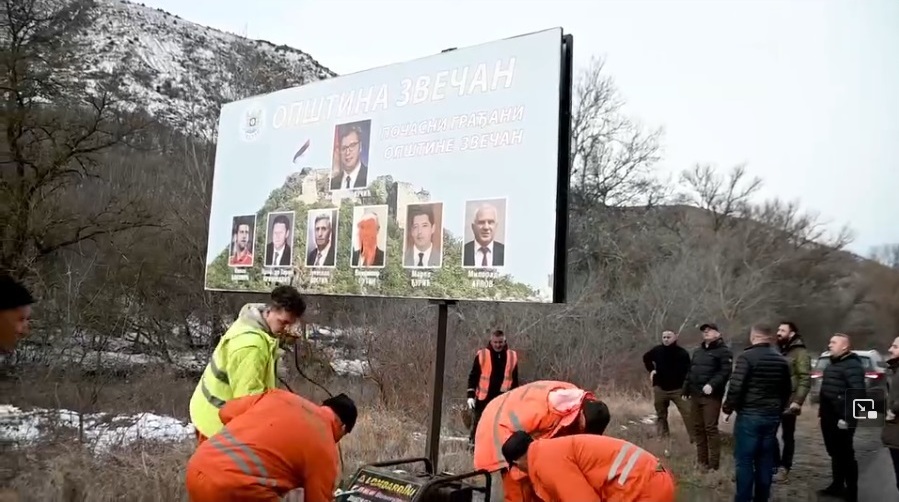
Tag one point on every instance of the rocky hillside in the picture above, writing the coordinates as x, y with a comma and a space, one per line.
182, 72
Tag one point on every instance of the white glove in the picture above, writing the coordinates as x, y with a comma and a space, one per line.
707, 389
471, 403
340, 494
842, 424
890, 416
652, 375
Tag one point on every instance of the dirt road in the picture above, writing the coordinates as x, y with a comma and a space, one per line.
811, 467
876, 479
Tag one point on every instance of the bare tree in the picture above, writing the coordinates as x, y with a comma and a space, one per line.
887, 254
53, 152
613, 158
725, 197
613, 166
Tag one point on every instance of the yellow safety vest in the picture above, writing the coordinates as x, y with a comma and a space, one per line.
215, 386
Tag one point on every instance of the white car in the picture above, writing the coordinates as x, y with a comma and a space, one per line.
872, 360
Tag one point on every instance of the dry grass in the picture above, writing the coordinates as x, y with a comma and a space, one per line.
154, 472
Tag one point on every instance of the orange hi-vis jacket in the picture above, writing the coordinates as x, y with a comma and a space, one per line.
526, 408
593, 468
484, 360
272, 443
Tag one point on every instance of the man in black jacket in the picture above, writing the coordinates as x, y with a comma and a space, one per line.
759, 391
668, 364
844, 372
494, 371
704, 387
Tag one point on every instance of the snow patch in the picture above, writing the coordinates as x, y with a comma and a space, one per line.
101, 430
350, 367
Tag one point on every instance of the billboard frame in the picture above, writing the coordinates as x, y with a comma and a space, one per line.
556, 279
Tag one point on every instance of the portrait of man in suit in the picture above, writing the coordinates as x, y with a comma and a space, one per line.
350, 171
243, 241
424, 246
366, 251
278, 250
321, 249
484, 251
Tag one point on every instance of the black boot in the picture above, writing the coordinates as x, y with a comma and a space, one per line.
832, 490
851, 493
837, 487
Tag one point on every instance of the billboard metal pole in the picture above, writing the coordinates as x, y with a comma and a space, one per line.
433, 449
560, 272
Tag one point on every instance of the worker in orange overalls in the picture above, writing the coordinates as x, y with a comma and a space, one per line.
589, 468
272, 443
543, 409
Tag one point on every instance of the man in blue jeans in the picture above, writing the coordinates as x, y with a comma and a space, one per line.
759, 392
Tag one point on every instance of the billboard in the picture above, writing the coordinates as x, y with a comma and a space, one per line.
435, 178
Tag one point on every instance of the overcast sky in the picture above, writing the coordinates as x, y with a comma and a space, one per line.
805, 92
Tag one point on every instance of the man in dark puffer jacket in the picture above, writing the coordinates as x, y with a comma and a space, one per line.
759, 392
844, 372
704, 387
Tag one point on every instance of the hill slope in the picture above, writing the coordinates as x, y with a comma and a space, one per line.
181, 72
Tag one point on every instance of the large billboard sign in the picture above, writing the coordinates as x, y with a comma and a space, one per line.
435, 178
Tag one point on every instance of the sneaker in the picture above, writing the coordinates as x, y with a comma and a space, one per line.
782, 475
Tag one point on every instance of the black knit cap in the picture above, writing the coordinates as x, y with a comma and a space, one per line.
344, 408
596, 416
516, 446
13, 294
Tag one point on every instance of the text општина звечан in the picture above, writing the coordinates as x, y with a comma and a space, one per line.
479, 78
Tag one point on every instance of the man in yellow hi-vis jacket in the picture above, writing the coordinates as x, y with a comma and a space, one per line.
243, 362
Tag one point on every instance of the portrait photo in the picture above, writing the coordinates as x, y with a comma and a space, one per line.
243, 241
485, 233
369, 237
423, 235
349, 166
321, 238
279, 239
